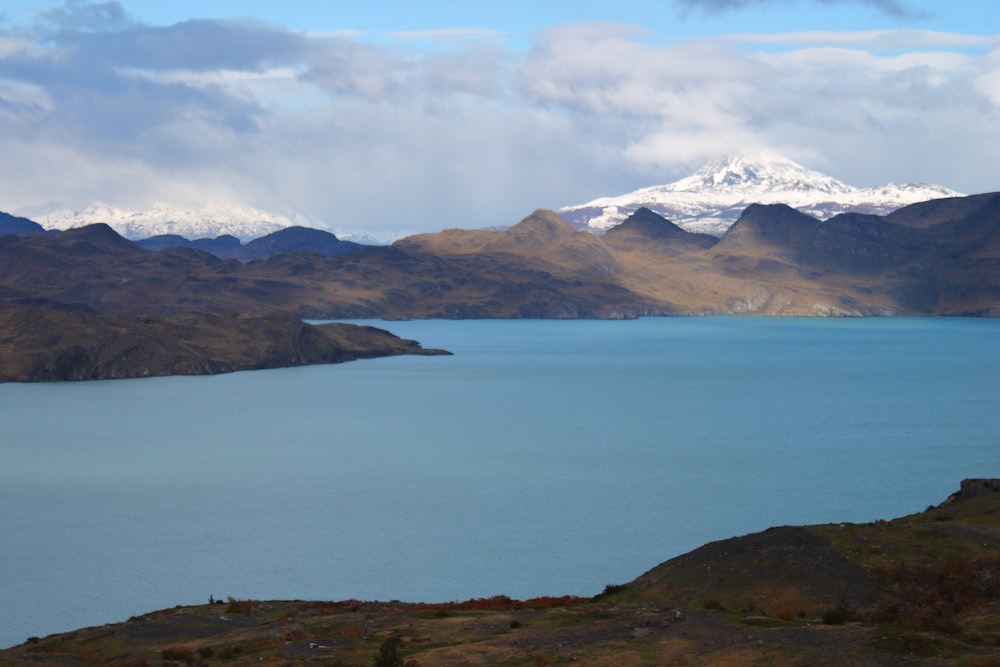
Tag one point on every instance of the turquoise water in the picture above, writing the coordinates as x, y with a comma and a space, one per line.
544, 458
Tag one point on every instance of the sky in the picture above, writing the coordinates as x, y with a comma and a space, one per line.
387, 117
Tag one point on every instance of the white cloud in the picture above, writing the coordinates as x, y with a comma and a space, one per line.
447, 35
872, 40
363, 135
899, 9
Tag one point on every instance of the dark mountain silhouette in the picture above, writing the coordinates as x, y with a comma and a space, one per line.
10, 224
645, 227
297, 239
290, 239
221, 246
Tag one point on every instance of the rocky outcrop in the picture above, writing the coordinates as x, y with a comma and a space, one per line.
972, 488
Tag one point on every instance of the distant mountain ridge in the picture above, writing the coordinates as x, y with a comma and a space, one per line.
208, 220
713, 198
288, 239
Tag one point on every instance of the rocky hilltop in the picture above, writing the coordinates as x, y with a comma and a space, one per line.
919, 590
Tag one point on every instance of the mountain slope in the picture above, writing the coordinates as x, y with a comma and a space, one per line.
712, 198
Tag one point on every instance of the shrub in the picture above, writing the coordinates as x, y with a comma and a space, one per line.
247, 607
784, 614
229, 651
610, 589
179, 653
714, 604
388, 654
932, 595
836, 616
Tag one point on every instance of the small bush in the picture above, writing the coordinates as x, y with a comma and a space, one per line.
179, 653
610, 589
245, 607
784, 614
229, 651
836, 616
388, 654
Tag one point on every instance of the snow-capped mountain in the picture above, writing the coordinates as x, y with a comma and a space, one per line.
711, 199
207, 221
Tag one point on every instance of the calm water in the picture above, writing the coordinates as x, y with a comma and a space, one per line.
544, 458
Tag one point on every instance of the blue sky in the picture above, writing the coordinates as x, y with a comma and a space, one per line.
410, 116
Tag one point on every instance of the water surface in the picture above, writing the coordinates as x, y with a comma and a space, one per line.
544, 458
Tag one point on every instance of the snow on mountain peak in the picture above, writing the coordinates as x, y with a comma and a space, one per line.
767, 172
207, 220
712, 198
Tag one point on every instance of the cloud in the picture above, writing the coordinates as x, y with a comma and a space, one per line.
898, 9
869, 40
404, 136
447, 35
692, 100
79, 15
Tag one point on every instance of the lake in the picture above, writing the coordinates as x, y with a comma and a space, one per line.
544, 458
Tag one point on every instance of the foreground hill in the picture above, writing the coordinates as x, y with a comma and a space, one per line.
940, 257
923, 589
38, 344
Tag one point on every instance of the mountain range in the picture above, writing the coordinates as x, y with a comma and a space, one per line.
939, 257
708, 201
713, 198
207, 220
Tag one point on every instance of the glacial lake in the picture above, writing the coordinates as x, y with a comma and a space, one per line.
544, 458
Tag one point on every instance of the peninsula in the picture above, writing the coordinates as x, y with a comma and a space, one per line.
39, 344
